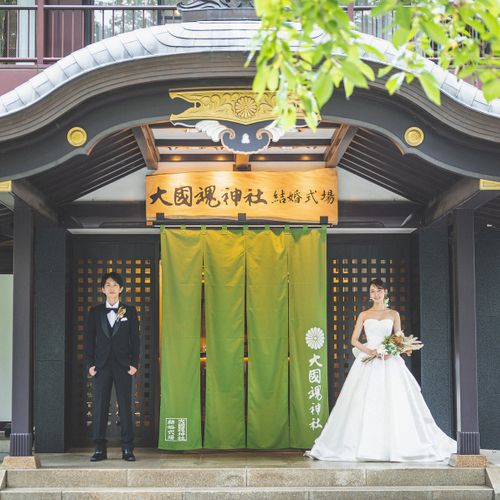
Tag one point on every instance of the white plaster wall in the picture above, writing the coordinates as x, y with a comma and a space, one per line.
6, 307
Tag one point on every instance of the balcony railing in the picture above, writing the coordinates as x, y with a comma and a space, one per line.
43, 34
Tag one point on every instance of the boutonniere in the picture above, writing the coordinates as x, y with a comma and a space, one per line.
121, 313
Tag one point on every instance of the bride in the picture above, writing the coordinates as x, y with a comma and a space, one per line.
380, 414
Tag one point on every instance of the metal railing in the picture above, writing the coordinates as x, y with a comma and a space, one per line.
43, 34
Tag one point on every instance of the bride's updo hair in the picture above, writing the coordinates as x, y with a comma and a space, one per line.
377, 282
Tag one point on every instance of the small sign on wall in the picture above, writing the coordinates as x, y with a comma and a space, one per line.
285, 196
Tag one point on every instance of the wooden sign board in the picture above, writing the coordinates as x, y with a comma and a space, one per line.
285, 196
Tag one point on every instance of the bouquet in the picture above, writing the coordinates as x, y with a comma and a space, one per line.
396, 344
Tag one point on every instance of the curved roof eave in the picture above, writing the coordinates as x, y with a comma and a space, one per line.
197, 37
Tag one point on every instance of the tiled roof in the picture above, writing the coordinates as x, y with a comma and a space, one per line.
197, 37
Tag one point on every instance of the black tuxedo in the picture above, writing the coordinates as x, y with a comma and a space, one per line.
120, 342
112, 350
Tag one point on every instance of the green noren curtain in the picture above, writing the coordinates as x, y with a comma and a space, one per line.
278, 281
225, 330
307, 333
180, 411
267, 331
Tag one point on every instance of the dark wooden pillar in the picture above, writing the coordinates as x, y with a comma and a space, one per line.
49, 354
464, 329
435, 321
21, 440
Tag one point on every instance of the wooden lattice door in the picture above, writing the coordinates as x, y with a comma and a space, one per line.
353, 261
136, 259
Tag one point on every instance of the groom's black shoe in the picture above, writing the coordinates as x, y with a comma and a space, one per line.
99, 454
128, 455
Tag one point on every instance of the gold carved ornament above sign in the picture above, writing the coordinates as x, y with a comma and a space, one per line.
234, 105
284, 196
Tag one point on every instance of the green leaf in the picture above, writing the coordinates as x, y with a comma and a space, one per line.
435, 32
260, 7
348, 87
337, 76
409, 78
383, 71
322, 88
372, 50
260, 80
289, 118
308, 103
383, 7
289, 72
492, 23
353, 73
273, 79
400, 37
394, 82
430, 86
491, 89
466, 71
367, 71
312, 120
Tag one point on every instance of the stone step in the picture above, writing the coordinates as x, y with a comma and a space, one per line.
233, 477
288, 493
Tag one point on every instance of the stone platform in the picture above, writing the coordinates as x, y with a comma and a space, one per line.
235, 475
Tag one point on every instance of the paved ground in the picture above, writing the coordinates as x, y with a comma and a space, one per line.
148, 458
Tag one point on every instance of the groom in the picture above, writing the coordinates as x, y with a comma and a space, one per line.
111, 344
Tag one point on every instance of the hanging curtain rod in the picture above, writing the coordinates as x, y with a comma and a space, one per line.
240, 226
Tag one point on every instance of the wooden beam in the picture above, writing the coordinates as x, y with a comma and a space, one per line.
340, 142
146, 143
379, 213
209, 144
241, 162
132, 214
467, 193
23, 190
225, 157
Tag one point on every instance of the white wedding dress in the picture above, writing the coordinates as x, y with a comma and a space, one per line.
380, 414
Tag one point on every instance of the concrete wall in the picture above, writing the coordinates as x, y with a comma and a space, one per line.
6, 347
488, 336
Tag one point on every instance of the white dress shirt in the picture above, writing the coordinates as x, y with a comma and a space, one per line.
112, 314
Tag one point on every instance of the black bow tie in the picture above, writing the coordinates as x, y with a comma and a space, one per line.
109, 309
